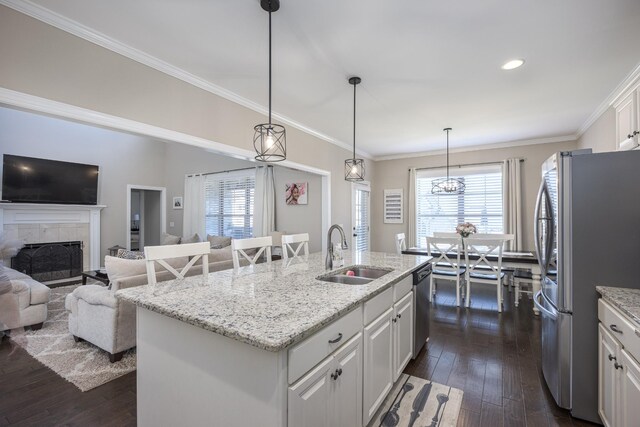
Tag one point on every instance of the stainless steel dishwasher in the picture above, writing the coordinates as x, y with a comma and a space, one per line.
421, 307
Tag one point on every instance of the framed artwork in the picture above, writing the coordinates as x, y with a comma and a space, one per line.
177, 202
296, 193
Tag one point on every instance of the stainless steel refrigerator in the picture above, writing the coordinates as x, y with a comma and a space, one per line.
586, 235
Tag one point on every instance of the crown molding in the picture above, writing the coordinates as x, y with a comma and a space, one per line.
77, 29
45, 106
625, 86
506, 144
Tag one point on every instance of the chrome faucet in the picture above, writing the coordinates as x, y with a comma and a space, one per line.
329, 261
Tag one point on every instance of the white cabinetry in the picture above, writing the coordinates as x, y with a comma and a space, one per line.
331, 393
388, 345
628, 120
618, 368
403, 325
608, 352
378, 362
629, 411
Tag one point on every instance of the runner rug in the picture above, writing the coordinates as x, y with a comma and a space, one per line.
417, 402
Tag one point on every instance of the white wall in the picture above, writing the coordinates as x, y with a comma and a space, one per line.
392, 174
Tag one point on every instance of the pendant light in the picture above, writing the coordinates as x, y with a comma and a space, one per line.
270, 140
448, 185
354, 168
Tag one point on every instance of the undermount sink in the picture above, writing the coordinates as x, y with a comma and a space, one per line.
345, 280
362, 275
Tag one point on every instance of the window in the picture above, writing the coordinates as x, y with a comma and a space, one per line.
481, 203
229, 203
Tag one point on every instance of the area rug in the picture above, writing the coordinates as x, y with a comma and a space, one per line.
83, 364
418, 402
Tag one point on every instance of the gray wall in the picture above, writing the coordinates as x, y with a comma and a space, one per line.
151, 217
74, 71
130, 159
300, 218
601, 135
392, 174
123, 159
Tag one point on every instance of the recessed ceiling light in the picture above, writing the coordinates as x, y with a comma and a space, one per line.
514, 63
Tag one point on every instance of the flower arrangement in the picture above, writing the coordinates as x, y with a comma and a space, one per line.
466, 229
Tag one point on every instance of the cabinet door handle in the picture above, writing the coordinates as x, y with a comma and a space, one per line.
399, 315
635, 132
395, 319
617, 365
630, 136
334, 376
339, 371
337, 339
615, 329
612, 357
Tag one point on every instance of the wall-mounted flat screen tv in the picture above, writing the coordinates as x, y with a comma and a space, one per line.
31, 180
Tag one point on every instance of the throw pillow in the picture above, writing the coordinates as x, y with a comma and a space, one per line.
193, 239
169, 239
123, 253
218, 242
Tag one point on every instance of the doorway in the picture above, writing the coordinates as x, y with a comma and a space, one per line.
146, 216
361, 216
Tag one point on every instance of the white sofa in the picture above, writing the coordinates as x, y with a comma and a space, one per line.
25, 304
97, 316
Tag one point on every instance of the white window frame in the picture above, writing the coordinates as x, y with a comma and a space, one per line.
364, 186
455, 173
249, 205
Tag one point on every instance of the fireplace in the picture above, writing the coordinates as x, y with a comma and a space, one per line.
49, 261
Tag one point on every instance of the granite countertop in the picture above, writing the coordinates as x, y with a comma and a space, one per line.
625, 299
270, 307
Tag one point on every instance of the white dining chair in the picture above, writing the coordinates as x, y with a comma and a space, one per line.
261, 245
401, 243
159, 254
301, 243
522, 277
483, 269
446, 265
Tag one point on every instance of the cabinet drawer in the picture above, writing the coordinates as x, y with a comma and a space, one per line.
620, 327
401, 288
377, 305
308, 353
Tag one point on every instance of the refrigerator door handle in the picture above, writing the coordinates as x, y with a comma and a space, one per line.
536, 227
541, 307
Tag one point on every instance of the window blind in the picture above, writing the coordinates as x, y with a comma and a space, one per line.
229, 200
481, 203
361, 228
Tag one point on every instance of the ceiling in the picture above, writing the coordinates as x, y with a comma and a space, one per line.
425, 64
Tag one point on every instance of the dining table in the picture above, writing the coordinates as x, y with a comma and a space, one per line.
526, 260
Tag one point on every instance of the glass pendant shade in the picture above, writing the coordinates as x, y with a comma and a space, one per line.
354, 168
270, 140
447, 185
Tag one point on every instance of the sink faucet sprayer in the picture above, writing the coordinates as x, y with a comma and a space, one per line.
329, 261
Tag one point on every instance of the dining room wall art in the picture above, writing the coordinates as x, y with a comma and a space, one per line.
296, 193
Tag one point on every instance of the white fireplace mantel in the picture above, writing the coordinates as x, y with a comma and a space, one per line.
36, 213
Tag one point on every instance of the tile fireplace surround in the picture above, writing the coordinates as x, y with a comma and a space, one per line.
42, 223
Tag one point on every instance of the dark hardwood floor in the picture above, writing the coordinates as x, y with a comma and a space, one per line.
493, 357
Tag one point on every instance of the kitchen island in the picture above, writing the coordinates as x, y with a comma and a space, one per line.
272, 345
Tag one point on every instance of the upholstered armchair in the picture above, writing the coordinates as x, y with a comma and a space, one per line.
23, 302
